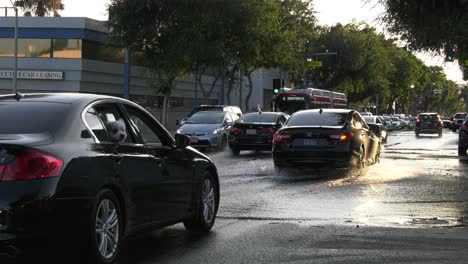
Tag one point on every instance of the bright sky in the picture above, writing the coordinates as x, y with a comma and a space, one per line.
330, 12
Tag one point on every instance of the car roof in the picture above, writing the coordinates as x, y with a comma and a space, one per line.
428, 114
65, 98
263, 113
327, 110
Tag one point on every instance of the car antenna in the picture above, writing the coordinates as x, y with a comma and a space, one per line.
320, 111
18, 96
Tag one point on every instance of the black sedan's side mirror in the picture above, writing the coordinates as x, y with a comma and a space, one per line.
182, 141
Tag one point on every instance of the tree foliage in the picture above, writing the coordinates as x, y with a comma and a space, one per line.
436, 25
41, 7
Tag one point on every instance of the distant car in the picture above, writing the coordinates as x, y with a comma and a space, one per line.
463, 138
396, 122
365, 113
379, 127
446, 123
254, 131
339, 137
428, 123
388, 123
68, 173
208, 129
217, 108
457, 120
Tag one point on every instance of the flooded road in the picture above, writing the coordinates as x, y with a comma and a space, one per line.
419, 182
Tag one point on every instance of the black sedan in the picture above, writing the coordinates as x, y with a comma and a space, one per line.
254, 131
325, 136
95, 169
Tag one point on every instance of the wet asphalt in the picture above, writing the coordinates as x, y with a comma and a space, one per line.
412, 207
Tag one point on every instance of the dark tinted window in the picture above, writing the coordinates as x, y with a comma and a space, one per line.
148, 129
258, 118
428, 117
31, 117
460, 116
369, 119
317, 119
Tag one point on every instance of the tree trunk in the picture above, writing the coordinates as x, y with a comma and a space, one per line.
229, 91
166, 99
249, 94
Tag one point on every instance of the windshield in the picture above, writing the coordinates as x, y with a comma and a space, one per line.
258, 118
317, 119
207, 118
369, 119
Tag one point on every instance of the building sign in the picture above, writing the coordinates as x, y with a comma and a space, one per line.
32, 75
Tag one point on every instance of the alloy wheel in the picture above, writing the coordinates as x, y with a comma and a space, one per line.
208, 200
107, 228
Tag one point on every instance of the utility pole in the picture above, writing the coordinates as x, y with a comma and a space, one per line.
15, 74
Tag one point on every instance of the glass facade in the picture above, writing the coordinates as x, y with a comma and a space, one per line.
67, 48
61, 48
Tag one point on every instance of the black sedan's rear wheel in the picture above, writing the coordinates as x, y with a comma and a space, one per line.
461, 151
235, 151
357, 159
106, 232
206, 206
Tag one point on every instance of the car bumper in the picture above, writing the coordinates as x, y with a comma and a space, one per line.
29, 210
251, 143
206, 141
427, 130
311, 157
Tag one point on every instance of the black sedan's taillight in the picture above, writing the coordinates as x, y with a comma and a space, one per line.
31, 165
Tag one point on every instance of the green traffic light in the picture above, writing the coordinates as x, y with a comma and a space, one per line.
449, 58
276, 91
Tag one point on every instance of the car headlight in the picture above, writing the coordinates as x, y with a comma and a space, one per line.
179, 131
216, 131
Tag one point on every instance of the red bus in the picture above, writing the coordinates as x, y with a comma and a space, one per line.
292, 100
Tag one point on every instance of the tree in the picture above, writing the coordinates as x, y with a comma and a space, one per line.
41, 7
437, 25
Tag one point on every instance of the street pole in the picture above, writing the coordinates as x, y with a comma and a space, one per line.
15, 76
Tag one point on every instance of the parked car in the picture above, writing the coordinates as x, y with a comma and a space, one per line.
463, 138
396, 123
378, 126
428, 123
208, 129
254, 131
217, 108
457, 121
97, 168
325, 136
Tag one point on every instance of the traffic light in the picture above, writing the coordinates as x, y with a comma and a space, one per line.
276, 86
449, 58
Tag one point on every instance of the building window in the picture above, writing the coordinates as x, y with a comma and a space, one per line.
34, 48
102, 52
7, 47
67, 48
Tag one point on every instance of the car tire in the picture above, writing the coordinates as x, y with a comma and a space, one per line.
357, 161
461, 151
223, 144
206, 206
235, 151
106, 228
278, 170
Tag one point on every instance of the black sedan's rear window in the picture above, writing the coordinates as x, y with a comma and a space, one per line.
317, 119
31, 117
258, 118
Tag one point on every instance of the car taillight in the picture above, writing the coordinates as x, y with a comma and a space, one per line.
340, 137
32, 165
268, 130
234, 130
282, 137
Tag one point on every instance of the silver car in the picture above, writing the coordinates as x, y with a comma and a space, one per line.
208, 129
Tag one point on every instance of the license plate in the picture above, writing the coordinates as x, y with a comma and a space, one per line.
193, 140
310, 142
251, 131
